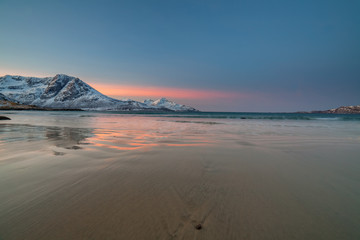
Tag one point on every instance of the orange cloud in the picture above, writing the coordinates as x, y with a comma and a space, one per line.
156, 92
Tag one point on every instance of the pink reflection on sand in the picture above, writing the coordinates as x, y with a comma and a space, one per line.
129, 140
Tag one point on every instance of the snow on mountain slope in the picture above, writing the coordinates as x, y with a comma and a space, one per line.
66, 92
4, 101
165, 103
3, 97
6, 104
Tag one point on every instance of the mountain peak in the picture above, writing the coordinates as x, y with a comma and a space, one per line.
62, 75
165, 103
161, 101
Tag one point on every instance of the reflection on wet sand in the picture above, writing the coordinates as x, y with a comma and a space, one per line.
140, 139
121, 139
62, 137
69, 138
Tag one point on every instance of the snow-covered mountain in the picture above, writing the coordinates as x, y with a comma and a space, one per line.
165, 103
65, 92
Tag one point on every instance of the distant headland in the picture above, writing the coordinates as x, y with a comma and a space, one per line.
339, 110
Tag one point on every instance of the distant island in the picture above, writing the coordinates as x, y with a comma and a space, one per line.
63, 92
340, 110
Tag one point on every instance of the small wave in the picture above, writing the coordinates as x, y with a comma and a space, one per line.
352, 118
328, 119
201, 122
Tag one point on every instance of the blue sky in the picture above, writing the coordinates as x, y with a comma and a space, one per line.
275, 55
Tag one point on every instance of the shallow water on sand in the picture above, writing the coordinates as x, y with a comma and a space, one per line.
85, 175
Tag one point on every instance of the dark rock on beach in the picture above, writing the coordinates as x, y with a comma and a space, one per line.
4, 118
198, 226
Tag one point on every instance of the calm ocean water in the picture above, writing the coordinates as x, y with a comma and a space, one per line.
208, 115
255, 115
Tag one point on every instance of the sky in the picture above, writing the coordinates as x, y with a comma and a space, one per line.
253, 55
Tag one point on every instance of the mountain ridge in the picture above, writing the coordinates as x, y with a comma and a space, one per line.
67, 92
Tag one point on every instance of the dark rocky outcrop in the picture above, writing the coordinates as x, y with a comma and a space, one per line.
4, 118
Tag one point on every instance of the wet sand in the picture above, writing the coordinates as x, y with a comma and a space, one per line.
141, 178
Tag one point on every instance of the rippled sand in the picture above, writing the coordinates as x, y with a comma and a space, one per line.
104, 176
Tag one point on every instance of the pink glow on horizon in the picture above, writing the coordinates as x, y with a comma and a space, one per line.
168, 92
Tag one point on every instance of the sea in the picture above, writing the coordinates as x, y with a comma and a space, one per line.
196, 175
